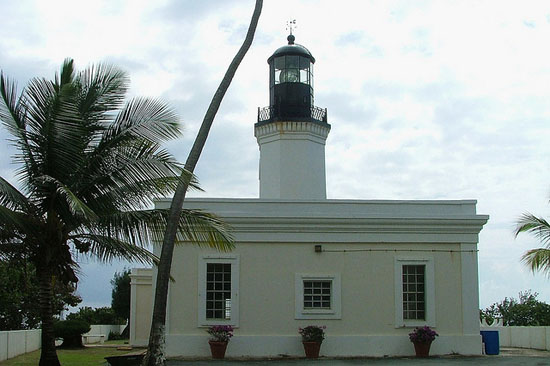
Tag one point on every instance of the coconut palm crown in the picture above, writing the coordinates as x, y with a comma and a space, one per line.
89, 166
536, 259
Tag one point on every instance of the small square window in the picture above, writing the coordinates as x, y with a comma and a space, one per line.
318, 296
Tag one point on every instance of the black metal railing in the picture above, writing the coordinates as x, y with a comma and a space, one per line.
265, 113
272, 113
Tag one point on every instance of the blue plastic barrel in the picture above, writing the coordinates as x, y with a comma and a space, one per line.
490, 338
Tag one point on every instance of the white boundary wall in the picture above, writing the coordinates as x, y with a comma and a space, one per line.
96, 331
521, 337
17, 342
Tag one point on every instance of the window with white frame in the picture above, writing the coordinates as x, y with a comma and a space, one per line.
218, 290
317, 296
414, 292
414, 295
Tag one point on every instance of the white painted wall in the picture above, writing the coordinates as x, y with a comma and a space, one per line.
102, 330
141, 308
17, 342
267, 301
292, 160
275, 241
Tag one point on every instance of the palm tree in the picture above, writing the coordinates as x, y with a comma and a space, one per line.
155, 351
89, 167
536, 259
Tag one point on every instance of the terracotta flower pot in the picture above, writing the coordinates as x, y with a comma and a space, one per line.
217, 349
422, 349
312, 349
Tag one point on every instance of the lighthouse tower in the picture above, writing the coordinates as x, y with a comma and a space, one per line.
291, 132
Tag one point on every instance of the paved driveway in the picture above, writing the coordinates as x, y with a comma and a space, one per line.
507, 357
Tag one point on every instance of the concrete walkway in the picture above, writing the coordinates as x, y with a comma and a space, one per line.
510, 356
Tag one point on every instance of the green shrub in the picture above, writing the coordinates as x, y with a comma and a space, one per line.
104, 315
113, 336
71, 331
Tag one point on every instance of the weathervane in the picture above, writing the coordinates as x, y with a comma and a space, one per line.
290, 25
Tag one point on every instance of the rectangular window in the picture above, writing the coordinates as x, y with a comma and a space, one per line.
317, 296
414, 300
414, 292
218, 290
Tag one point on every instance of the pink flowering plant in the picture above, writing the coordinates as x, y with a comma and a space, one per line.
220, 333
423, 335
312, 333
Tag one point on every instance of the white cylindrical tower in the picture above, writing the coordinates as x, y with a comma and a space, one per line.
291, 132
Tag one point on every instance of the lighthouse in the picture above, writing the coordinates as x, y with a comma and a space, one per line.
291, 131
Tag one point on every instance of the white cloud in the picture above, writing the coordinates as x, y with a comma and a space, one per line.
427, 99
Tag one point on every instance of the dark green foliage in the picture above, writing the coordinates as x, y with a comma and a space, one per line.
18, 308
312, 333
120, 302
71, 331
89, 166
537, 259
90, 315
525, 311
113, 336
18, 288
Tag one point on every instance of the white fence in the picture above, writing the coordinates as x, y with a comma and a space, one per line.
521, 337
16, 342
100, 333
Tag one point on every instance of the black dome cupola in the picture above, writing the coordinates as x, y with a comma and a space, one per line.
291, 86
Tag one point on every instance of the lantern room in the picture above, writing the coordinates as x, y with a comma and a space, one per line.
291, 86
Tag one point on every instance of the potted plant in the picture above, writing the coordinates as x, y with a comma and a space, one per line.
312, 337
422, 339
220, 335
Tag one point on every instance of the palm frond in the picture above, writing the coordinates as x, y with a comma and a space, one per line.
66, 75
10, 250
131, 177
205, 229
11, 243
102, 89
538, 227
10, 110
106, 248
54, 132
75, 205
17, 222
145, 118
11, 197
146, 227
13, 116
538, 260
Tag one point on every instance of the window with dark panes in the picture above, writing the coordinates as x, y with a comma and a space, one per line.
218, 291
414, 294
317, 294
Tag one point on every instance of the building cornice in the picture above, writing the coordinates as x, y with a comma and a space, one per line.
292, 129
347, 221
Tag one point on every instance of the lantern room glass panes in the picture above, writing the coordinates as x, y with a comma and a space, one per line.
292, 69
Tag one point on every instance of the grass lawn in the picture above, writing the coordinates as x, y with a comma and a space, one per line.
121, 342
90, 356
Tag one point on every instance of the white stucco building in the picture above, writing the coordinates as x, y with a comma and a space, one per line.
368, 270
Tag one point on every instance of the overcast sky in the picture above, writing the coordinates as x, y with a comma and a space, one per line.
427, 99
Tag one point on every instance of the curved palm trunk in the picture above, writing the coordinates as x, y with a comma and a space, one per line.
155, 352
48, 355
